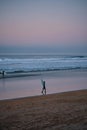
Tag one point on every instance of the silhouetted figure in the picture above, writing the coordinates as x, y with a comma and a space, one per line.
44, 87
3, 73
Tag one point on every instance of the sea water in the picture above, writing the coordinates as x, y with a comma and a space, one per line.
70, 74
37, 62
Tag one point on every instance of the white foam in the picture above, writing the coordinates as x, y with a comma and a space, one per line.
42, 63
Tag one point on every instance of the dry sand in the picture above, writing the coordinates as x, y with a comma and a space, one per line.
63, 111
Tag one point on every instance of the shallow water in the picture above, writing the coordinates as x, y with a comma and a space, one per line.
31, 86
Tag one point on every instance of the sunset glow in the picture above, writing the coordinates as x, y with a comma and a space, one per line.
47, 22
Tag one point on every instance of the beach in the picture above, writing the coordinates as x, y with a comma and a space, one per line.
23, 107
60, 111
26, 85
43, 65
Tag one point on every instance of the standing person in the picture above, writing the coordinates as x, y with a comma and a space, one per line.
3, 73
44, 87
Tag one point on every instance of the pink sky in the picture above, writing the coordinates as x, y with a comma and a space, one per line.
45, 23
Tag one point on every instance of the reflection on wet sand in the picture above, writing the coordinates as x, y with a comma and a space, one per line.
31, 86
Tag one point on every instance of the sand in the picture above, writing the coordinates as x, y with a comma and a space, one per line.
61, 111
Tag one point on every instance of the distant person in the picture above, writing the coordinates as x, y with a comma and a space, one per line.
44, 87
3, 73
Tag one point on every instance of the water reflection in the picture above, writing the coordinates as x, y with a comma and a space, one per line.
22, 87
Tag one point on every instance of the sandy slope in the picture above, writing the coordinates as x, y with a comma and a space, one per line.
63, 111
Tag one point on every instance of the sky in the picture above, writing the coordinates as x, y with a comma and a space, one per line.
43, 26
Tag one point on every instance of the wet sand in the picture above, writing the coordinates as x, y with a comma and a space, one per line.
56, 81
63, 111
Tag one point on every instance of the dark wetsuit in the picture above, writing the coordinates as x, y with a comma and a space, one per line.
44, 85
3, 73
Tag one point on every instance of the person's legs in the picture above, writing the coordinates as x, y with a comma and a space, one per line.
45, 91
42, 91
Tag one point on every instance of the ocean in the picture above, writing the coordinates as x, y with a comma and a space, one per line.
15, 63
61, 73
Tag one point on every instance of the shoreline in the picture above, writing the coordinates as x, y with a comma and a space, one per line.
67, 110
39, 73
38, 96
